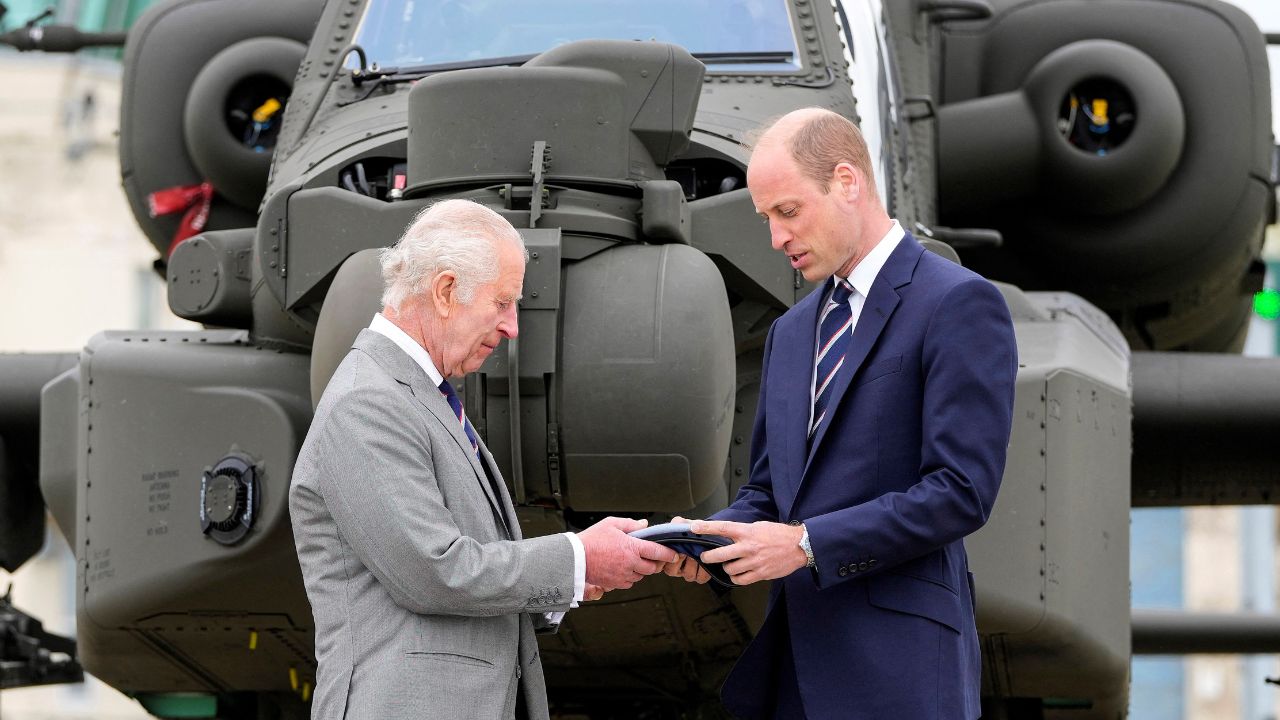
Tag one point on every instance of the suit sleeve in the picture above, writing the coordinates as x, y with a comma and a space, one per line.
755, 498
379, 484
968, 367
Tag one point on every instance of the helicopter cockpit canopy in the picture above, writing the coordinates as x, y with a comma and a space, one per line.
742, 35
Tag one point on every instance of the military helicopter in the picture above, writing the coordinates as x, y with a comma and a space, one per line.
1113, 184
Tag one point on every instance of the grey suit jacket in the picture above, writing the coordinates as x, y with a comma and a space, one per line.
421, 597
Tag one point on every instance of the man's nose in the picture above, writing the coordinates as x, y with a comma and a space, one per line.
779, 237
508, 325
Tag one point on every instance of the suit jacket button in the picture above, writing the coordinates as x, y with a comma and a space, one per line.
794, 523
871, 562
518, 675
863, 566
844, 571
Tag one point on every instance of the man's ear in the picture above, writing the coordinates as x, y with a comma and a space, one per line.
444, 293
846, 180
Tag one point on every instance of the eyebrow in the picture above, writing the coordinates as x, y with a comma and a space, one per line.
779, 204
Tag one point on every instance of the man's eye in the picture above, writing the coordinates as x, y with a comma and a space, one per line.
789, 212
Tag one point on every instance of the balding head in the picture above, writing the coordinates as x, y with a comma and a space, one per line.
818, 140
810, 179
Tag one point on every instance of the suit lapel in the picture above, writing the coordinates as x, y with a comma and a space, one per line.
433, 401
795, 340
508, 507
877, 308
402, 367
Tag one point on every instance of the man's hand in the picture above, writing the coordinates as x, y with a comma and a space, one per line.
760, 550
592, 592
615, 560
685, 566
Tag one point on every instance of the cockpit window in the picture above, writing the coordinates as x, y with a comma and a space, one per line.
728, 35
874, 86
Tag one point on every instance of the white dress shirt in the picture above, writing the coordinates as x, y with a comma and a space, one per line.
861, 278
385, 327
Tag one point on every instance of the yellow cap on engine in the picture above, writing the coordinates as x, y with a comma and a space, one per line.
266, 110
1099, 111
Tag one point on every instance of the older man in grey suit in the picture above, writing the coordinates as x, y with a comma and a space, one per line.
424, 592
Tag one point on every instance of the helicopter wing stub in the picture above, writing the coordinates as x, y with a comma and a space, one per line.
1204, 428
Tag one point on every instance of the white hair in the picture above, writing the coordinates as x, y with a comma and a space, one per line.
458, 236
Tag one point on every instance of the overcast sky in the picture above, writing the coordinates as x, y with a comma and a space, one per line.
1267, 14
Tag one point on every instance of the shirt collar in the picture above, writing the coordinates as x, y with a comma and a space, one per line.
865, 272
381, 325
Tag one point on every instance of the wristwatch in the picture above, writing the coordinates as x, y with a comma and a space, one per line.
807, 548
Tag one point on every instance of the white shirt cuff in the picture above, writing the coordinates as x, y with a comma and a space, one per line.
579, 569
579, 577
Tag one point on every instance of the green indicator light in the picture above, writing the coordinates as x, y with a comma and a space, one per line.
1267, 304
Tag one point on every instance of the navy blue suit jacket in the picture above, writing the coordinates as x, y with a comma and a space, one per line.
906, 464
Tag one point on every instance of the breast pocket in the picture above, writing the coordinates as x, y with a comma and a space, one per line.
880, 368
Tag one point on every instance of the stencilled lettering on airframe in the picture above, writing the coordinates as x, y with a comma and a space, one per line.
100, 566
158, 490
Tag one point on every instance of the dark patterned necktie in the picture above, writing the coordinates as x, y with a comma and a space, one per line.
452, 397
834, 333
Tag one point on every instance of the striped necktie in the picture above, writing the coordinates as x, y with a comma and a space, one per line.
834, 333
452, 397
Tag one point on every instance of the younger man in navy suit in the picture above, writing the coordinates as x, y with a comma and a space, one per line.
886, 398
